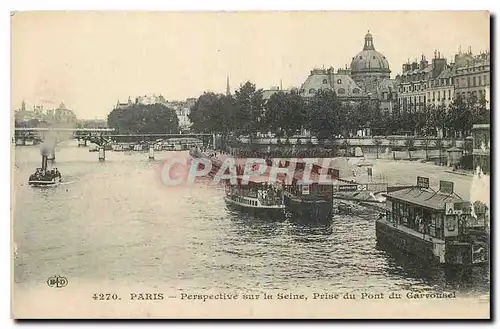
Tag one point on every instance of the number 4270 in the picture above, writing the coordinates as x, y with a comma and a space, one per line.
105, 297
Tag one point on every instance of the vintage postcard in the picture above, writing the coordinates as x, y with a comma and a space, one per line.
280, 164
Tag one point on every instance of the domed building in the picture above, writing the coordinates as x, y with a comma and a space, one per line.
369, 67
367, 78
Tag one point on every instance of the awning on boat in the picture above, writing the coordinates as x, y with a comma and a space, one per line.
423, 197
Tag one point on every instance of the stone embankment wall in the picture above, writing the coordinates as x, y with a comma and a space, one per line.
372, 147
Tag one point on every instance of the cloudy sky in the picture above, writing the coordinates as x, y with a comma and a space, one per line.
90, 60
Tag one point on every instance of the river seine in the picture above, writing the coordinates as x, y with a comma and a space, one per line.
116, 220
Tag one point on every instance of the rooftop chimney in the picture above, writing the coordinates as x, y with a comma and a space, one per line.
423, 62
438, 65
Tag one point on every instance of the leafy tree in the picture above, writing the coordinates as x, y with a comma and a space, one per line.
355, 117
227, 109
249, 109
205, 114
285, 112
460, 115
481, 114
421, 119
402, 122
327, 116
371, 116
438, 119
139, 118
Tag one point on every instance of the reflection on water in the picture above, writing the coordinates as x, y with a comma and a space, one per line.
117, 221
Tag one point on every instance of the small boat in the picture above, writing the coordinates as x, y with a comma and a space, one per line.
44, 176
47, 178
257, 198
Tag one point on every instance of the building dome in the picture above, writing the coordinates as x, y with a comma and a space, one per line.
369, 60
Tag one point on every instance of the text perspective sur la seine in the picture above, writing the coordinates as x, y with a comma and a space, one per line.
282, 296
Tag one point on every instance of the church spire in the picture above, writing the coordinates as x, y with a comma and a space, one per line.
228, 90
368, 42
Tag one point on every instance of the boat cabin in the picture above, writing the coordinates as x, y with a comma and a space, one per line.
312, 191
433, 213
257, 192
455, 229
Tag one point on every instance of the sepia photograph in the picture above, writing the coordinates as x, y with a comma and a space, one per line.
250, 164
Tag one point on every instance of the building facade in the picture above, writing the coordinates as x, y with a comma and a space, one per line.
472, 76
441, 91
182, 110
417, 82
423, 84
343, 84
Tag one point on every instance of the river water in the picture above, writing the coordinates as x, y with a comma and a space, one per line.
117, 221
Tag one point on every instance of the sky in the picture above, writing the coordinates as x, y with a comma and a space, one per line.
90, 60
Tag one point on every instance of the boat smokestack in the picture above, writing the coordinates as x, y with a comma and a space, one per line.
44, 163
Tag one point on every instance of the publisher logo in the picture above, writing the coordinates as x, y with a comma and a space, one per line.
57, 281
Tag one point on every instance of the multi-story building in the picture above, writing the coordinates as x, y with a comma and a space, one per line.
182, 110
472, 76
441, 91
417, 83
438, 83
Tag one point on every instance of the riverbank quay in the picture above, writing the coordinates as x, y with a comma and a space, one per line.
402, 173
357, 170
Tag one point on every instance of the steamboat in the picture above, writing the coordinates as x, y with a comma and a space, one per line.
258, 197
436, 226
44, 176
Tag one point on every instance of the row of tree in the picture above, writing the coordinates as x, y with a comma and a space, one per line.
454, 120
139, 118
285, 113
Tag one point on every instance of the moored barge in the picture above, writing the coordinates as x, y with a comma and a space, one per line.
436, 226
311, 200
